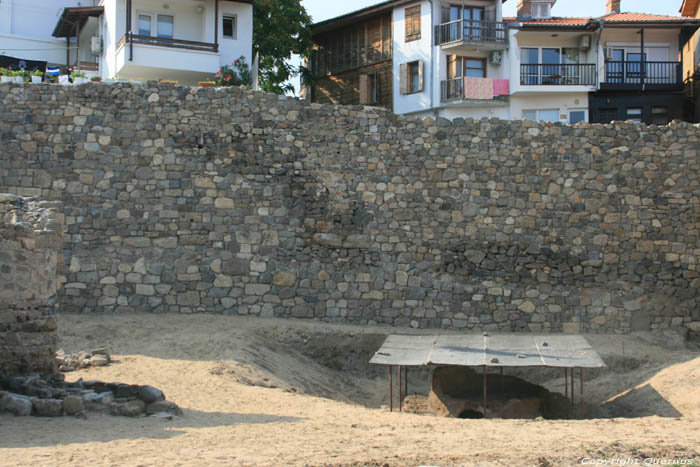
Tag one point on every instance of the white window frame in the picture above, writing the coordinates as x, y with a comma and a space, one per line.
585, 113
537, 114
234, 17
154, 22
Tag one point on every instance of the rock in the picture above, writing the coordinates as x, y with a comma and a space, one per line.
163, 406
99, 360
48, 407
150, 394
18, 405
132, 408
73, 405
328, 239
284, 279
527, 307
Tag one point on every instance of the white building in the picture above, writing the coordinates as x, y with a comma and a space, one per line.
461, 58
184, 40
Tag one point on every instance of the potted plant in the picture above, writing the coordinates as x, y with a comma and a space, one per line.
207, 84
95, 79
18, 77
37, 76
170, 82
78, 77
5, 75
236, 75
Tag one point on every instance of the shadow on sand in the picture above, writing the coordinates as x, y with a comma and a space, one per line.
70, 430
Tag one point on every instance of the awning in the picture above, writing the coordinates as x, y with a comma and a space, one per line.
499, 350
73, 19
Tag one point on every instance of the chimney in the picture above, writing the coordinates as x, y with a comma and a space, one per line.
613, 6
524, 8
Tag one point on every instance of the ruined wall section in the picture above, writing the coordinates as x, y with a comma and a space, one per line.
230, 201
30, 254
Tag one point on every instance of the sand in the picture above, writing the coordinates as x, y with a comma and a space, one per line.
280, 392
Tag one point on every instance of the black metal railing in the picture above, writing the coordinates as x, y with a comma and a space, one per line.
557, 75
452, 89
670, 73
471, 31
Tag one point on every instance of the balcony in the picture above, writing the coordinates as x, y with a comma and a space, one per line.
471, 34
148, 57
474, 92
620, 76
558, 75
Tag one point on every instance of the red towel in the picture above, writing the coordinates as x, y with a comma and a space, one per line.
501, 87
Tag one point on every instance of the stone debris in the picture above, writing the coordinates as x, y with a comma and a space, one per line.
33, 395
72, 362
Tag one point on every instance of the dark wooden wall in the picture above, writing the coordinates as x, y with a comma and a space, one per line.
344, 88
360, 44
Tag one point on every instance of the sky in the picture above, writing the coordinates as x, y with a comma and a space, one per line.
321, 10
324, 9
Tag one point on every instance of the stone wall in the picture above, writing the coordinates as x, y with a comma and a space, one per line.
192, 199
30, 252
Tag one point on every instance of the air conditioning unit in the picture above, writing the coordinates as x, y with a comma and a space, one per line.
608, 53
96, 45
584, 42
496, 57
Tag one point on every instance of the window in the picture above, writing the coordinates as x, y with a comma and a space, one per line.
659, 115
413, 23
164, 25
369, 89
412, 77
144, 24
552, 66
634, 114
540, 11
229, 27
576, 116
459, 67
545, 115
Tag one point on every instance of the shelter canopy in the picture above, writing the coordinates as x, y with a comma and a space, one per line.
499, 350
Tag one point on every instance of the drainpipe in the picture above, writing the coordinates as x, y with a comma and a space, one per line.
432, 66
601, 24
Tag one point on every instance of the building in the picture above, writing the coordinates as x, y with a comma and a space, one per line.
463, 59
26, 27
691, 59
184, 40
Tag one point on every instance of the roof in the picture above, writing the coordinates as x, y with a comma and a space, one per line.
689, 8
74, 18
612, 19
351, 17
499, 350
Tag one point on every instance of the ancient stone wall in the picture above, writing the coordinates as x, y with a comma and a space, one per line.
188, 200
30, 252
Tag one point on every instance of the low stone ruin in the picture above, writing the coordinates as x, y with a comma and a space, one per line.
33, 395
77, 361
30, 382
458, 392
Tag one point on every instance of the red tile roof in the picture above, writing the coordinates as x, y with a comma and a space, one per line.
639, 17
554, 20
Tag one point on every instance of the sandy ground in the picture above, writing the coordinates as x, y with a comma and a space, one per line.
278, 392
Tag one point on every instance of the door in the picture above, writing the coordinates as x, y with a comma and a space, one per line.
615, 67
473, 23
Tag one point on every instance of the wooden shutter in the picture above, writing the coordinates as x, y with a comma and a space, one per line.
364, 90
420, 76
403, 78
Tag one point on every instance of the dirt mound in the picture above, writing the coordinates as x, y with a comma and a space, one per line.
672, 392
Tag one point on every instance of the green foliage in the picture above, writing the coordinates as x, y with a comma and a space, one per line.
281, 28
236, 75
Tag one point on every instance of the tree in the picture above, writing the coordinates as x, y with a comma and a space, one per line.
280, 28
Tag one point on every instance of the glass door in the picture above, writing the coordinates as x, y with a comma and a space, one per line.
551, 69
615, 68
473, 23
634, 67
